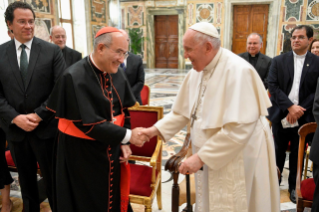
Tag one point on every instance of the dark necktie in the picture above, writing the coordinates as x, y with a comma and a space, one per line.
122, 66
24, 64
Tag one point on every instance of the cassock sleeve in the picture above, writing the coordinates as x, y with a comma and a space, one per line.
224, 145
171, 124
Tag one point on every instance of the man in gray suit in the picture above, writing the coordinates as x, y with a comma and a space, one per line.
260, 61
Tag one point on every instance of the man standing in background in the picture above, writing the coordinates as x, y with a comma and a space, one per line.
58, 36
134, 71
253, 55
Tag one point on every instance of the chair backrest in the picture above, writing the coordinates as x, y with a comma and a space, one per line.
145, 116
145, 95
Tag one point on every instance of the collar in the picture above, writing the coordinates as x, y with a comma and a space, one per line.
299, 56
18, 44
256, 55
214, 61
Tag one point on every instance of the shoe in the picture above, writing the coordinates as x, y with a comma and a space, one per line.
292, 193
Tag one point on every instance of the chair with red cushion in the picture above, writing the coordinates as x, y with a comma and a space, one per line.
145, 95
146, 178
305, 188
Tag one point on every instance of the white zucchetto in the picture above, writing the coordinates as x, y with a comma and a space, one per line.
205, 28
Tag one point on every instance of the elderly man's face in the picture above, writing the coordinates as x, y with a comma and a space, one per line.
59, 37
194, 50
253, 44
114, 54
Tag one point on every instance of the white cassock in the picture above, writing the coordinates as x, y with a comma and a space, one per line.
231, 136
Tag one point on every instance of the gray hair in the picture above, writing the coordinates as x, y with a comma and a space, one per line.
105, 39
203, 38
255, 33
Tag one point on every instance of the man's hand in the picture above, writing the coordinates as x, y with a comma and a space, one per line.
290, 119
138, 138
150, 132
25, 123
34, 117
191, 165
126, 150
295, 112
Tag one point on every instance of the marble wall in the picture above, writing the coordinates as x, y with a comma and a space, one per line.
293, 13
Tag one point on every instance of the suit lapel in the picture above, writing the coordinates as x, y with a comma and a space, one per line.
246, 57
35, 51
259, 61
13, 61
290, 65
305, 68
68, 56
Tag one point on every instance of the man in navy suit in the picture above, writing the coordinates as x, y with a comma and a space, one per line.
134, 71
29, 69
292, 82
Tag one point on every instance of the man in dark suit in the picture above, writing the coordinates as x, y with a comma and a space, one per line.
134, 71
292, 83
260, 61
29, 69
58, 36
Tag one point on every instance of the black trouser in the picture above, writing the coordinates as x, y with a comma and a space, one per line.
5, 176
26, 154
282, 138
315, 204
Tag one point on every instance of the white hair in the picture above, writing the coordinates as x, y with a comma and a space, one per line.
203, 38
255, 33
105, 39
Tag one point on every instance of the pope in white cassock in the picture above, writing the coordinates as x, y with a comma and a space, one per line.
225, 102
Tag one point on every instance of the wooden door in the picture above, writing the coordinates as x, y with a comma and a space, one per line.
166, 41
249, 19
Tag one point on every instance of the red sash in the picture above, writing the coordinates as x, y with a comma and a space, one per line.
68, 127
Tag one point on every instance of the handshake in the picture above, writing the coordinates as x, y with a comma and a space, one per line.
140, 135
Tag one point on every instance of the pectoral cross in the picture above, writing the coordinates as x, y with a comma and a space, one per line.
194, 117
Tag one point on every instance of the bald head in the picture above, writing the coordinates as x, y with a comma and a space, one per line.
125, 35
254, 43
58, 36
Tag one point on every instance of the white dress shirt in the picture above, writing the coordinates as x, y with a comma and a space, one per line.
19, 49
298, 65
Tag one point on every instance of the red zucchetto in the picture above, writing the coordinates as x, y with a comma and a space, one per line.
105, 30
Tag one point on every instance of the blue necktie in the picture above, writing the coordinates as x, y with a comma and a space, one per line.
122, 66
24, 64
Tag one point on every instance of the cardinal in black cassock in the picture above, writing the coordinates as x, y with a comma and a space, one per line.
87, 100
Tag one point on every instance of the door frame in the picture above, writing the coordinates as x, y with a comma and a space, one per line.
273, 22
150, 32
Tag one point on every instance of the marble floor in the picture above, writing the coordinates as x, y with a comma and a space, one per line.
164, 84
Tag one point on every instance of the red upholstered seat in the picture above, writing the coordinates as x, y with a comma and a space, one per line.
10, 160
307, 188
141, 180
145, 95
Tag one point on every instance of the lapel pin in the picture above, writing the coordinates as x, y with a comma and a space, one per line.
307, 64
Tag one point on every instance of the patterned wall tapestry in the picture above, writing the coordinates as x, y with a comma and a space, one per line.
293, 13
98, 11
45, 16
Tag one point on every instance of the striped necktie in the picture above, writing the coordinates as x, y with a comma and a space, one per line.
24, 64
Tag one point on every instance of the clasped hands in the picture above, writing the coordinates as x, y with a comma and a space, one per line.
295, 112
27, 122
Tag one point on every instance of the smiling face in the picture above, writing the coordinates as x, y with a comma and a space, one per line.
300, 41
253, 44
194, 50
315, 48
22, 25
113, 55
58, 36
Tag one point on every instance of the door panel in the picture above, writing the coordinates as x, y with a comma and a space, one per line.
166, 41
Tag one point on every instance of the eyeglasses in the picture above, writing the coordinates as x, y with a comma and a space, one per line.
119, 52
24, 22
299, 38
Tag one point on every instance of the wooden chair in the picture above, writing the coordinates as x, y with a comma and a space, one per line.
146, 178
305, 188
145, 95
